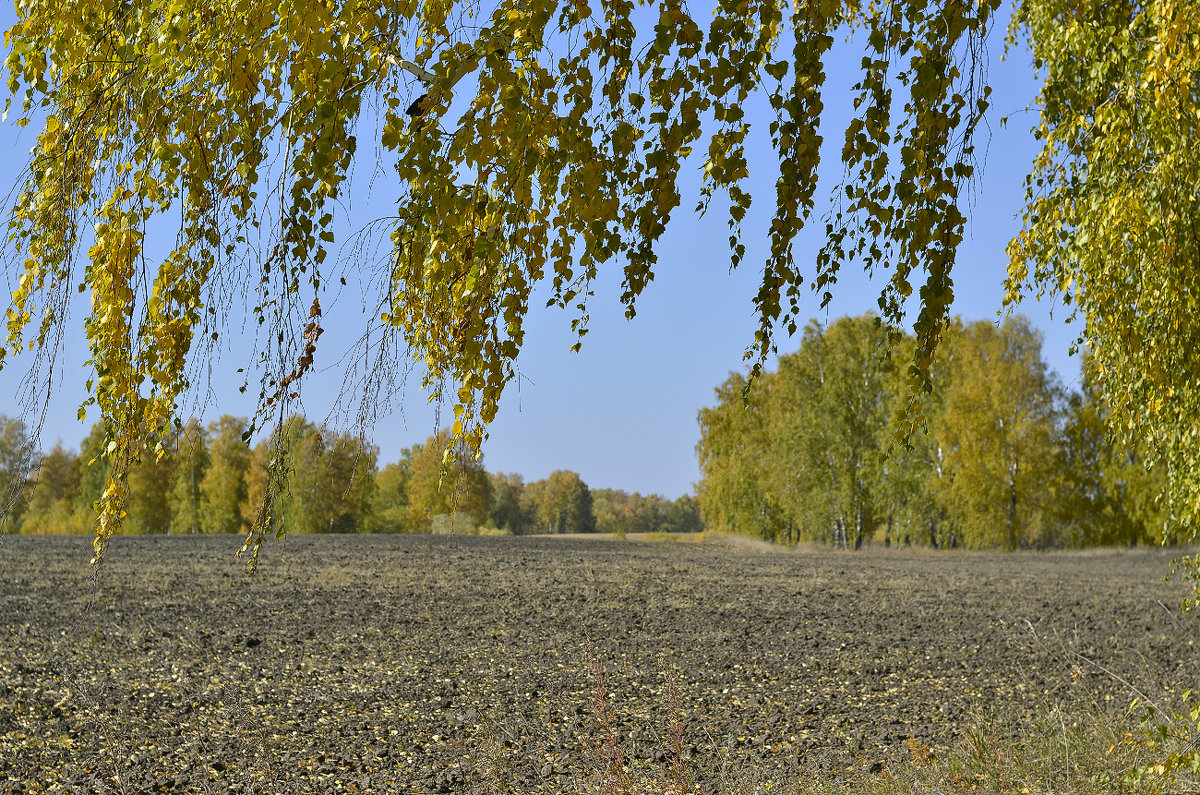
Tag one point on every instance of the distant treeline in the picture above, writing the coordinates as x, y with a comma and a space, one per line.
1006, 458
208, 481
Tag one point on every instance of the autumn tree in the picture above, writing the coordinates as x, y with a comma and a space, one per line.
51, 506
92, 473
914, 467
292, 448
564, 504
436, 489
733, 446
1110, 223
330, 480
616, 512
68, 500
190, 452
683, 516
147, 485
1140, 485
829, 414
1105, 492
1000, 465
390, 503
327, 479
223, 487
424, 487
347, 469
531, 501
999, 435
148, 503
508, 510
1090, 503
17, 459
800, 453
258, 476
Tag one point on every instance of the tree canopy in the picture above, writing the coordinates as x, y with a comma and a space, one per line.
1112, 219
16, 461
536, 142
208, 482
1010, 460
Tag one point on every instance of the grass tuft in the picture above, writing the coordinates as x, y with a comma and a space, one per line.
1067, 752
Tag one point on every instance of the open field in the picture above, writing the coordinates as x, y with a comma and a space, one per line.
451, 664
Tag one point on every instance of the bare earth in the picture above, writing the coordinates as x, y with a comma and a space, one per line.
449, 664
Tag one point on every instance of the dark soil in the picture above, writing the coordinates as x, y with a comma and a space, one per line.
447, 664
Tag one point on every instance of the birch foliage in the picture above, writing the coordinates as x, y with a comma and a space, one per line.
1112, 221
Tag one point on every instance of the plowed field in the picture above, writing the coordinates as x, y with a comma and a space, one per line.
448, 664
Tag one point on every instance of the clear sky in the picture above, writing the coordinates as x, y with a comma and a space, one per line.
622, 412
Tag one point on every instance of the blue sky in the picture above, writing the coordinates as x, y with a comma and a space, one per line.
622, 412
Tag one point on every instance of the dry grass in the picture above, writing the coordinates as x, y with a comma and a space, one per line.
1067, 754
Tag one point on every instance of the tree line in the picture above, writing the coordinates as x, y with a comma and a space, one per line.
1008, 457
208, 480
